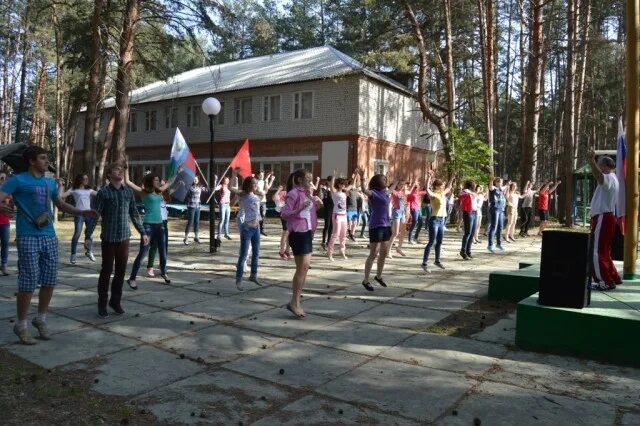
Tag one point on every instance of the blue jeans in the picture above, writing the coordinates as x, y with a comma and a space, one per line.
436, 232
78, 221
225, 214
416, 217
155, 232
4, 244
469, 219
193, 218
495, 230
248, 236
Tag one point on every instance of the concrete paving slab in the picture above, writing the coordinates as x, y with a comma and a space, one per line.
400, 389
280, 322
223, 309
630, 419
380, 294
451, 286
313, 409
218, 397
272, 295
433, 300
302, 364
72, 346
7, 308
618, 385
6, 333
172, 297
500, 404
219, 343
447, 353
562, 375
68, 299
363, 338
136, 370
158, 325
89, 313
219, 286
502, 332
401, 316
336, 306
181, 278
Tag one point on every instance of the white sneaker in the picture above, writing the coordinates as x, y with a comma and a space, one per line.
90, 256
426, 269
150, 273
73, 259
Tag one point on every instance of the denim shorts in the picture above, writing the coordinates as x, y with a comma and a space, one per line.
301, 243
398, 214
352, 215
379, 234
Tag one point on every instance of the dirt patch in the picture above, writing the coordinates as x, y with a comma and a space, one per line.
473, 318
34, 395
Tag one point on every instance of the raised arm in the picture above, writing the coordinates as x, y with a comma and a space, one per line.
430, 193
559, 181
128, 182
64, 194
269, 182
233, 183
332, 182
169, 183
362, 180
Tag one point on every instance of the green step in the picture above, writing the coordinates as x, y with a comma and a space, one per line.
606, 330
513, 286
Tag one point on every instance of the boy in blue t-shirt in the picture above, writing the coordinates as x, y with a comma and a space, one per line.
33, 194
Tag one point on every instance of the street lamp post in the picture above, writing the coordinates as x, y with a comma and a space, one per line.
211, 107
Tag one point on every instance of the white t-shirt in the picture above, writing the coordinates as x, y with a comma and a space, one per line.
605, 197
164, 212
339, 202
82, 198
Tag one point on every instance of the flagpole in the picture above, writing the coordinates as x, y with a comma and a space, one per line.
203, 178
632, 134
212, 190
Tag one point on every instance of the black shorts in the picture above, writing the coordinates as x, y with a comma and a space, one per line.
379, 234
284, 224
544, 214
301, 243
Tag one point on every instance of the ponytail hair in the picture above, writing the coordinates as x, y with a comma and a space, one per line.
295, 178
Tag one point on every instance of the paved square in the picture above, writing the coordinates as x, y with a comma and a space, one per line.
199, 351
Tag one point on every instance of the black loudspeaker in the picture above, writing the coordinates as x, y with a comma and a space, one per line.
565, 269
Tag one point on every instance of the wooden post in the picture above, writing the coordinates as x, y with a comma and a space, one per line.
632, 134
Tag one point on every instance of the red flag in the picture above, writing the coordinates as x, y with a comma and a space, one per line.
242, 160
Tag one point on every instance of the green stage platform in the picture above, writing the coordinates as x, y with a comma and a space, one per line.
607, 330
513, 286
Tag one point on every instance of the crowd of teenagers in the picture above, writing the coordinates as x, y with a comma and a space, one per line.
393, 212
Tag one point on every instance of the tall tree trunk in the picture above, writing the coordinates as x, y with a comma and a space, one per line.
427, 113
89, 148
70, 134
582, 77
487, 44
507, 94
529, 154
23, 70
569, 136
451, 88
59, 97
38, 106
123, 80
106, 147
524, 177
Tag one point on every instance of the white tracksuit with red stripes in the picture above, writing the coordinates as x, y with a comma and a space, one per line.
603, 226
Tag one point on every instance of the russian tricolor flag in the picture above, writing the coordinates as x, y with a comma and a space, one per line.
621, 171
183, 163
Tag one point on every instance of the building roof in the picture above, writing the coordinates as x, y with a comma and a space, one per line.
270, 70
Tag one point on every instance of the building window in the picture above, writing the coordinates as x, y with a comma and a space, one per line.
193, 116
380, 167
220, 117
271, 108
275, 169
132, 123
170, 117
302, 105
243, 111
150, 120
307, 165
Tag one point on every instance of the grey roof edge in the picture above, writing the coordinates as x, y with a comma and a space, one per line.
355, 66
